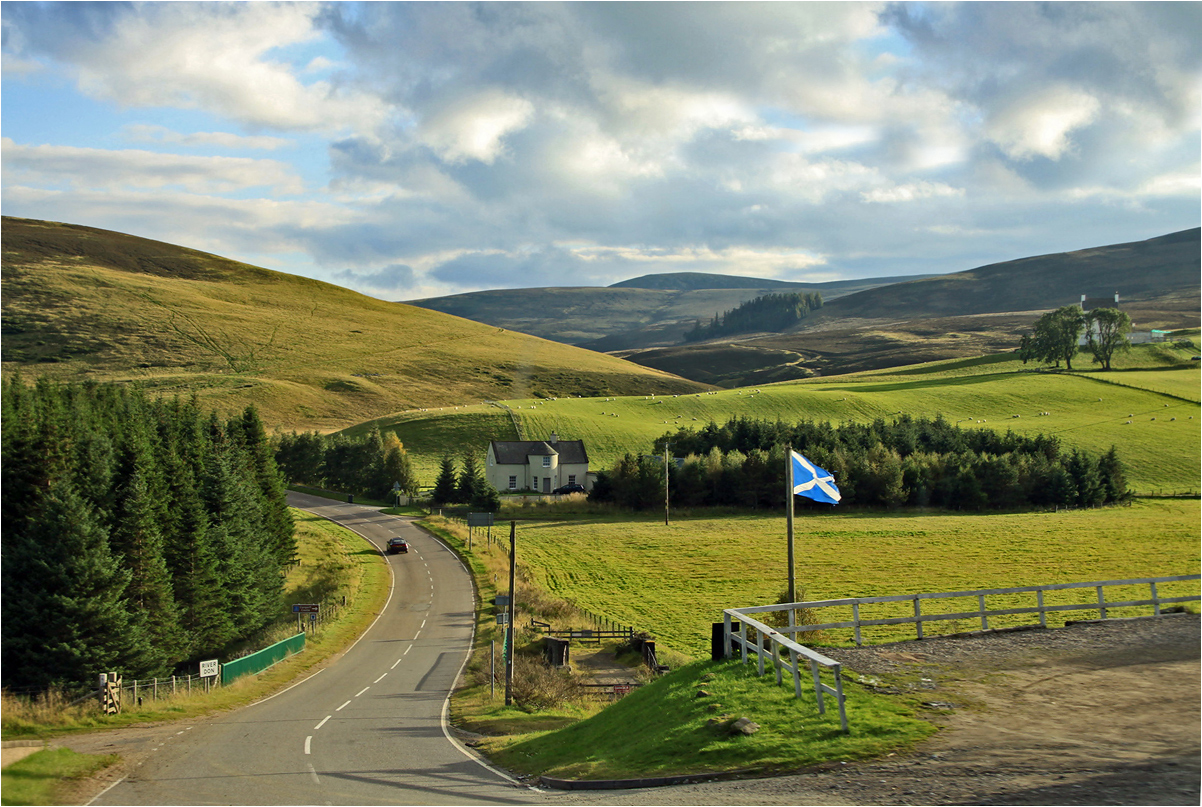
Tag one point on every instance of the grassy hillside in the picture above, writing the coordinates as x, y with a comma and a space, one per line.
652, 310
1159, 446
82, 303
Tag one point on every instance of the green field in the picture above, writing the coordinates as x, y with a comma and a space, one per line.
1159, 447
675, 580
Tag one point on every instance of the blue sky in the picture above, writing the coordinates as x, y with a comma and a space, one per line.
410, 150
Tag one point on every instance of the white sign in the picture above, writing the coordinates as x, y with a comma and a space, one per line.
209, 669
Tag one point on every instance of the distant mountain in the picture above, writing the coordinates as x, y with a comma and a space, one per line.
970, 313
641, 312
83, 303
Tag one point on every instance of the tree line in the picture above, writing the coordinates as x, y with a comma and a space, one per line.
138, 534
1057, 333
908, 461
467, 486
771, 312
370, 464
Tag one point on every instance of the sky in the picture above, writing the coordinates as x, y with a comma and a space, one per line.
408, 150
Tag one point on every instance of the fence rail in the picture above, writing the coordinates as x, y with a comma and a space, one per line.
982, 613
778, 642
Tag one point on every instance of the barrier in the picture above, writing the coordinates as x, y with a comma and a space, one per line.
256, 663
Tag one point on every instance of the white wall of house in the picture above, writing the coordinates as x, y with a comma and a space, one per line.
535, 475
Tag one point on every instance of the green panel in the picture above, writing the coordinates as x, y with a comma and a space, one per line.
255, 663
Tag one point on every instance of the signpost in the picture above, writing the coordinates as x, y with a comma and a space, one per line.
210, 669
478, 520
311, 608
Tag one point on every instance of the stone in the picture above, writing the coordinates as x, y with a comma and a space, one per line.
744, 726
704, 693
713, 707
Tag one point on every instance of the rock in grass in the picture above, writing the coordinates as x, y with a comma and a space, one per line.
704, 693
744, 726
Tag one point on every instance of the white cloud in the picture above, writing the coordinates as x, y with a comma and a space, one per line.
146, 133
132, 168
1039, 124
910, 192
474, 128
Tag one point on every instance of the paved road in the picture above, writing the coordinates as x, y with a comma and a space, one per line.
366, 730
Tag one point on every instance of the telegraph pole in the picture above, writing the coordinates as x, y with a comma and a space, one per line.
666, 447
513, 530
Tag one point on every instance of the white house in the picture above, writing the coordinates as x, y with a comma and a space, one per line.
538, 465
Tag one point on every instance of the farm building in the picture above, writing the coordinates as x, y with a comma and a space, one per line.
538, 465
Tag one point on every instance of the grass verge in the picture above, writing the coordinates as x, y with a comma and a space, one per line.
46, 776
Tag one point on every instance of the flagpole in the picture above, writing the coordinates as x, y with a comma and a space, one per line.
789, 496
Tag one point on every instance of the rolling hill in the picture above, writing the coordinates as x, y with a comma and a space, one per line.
83, 303
640, 312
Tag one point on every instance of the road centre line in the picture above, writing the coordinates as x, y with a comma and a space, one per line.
322, 723
360, 692
419, 633
407, 649
393, 667
308, 746
343, 706
378, 680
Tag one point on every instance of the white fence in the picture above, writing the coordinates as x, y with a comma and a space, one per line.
800, 611
779, 643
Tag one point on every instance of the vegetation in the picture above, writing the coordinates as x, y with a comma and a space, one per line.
772, 312
907, 461
1055, 338
664, 728
83, 303
1107, 329
368, 463
45, 777
137, 533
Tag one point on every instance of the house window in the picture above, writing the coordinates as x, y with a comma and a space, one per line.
534, 486
571, 479
513, 483
546, 462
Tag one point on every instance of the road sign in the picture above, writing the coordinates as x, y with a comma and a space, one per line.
501, 600
312, 616
210, 668
622, 690
479, 519
502, 618
306, 608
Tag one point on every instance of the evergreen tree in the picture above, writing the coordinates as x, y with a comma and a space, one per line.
444, 486
471, 481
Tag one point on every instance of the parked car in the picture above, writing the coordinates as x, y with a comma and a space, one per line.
569, 489
396, 545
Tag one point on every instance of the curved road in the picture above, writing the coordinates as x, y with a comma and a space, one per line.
368, 728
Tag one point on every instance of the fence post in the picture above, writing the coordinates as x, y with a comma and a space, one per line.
1101, 602
817, 687
918, 616
796, 673
725, 635
1043, 615
839, 696
759, 649
1155, 601
855, 617
776, 658
743, 639
984, 618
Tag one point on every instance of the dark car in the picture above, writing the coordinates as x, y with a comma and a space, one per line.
569, 489
396, 545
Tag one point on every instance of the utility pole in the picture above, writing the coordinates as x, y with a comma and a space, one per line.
666, 447
513, 531
789, 495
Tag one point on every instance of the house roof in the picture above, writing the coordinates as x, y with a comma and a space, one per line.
515, 452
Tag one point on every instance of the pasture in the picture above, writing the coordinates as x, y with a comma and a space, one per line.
1158, 392
673, 581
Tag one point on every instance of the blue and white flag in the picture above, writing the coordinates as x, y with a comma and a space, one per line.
812, 482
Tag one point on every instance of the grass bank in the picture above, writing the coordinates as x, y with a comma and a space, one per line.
670, 727
50, 775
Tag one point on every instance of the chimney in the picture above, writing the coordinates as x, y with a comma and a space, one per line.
554, 438
1116, 298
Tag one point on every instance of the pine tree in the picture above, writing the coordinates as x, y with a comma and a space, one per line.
471, 481
444, 486
65, 613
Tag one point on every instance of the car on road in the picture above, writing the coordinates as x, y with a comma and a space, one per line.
569, 489
396, 545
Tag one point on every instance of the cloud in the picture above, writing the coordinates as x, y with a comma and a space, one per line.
146, 133
131, 168
1039, 125
217, 57
389, 280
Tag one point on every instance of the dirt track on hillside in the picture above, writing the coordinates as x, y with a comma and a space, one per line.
1096, 713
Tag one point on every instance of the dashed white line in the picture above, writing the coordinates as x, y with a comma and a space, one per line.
419, 633
398, 661
360, 692
378, 680
343, 706
313, 773
308, 744
322, 723
407, 649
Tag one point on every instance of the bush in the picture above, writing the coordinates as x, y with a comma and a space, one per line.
537, 686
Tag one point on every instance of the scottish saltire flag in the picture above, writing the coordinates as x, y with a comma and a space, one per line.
812, 482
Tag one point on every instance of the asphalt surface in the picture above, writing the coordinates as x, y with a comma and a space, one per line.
369, 728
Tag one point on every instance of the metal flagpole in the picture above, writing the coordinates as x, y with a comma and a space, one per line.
789, 496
